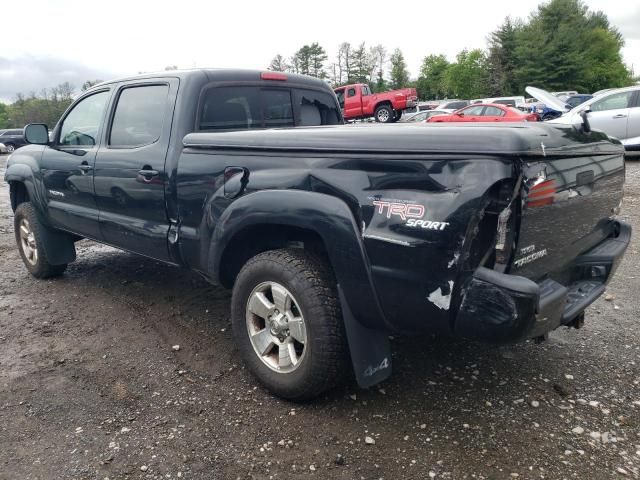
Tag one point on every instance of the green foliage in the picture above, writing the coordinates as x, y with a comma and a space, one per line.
309, 60
564, 45
278, 64
501, 60
467, 77
47, 107
362, 65
399, 75
90, 83
4, 115
432, 82
381, 84
561, 46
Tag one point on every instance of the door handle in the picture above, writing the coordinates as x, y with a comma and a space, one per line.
145, 172
85, 167
620, 115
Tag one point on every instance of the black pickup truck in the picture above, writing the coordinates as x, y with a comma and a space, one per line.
332, 237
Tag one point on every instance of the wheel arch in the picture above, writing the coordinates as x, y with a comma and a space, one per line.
383, 103
274, 219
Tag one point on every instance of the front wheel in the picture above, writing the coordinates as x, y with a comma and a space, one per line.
30, 239
384, 114
287, 323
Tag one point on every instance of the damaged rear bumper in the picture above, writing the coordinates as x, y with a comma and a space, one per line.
503, 308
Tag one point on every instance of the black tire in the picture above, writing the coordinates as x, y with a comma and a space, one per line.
384, 114
39, 265
311, 282
397, 115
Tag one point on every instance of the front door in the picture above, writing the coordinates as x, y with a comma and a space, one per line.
67, 166
130, 172
469, 114
611, 114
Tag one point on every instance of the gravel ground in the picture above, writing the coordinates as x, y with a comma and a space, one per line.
91, 386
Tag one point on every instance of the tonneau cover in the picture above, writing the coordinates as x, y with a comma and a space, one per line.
523, 139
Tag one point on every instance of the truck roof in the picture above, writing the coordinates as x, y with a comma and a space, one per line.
533, 139
224, 74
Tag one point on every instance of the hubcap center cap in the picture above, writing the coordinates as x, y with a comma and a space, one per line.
278, 324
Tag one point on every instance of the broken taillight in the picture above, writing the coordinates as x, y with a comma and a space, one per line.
542, 194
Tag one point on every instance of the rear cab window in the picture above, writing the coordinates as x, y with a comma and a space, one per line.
255, 107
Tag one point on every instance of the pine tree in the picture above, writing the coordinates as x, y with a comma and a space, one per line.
399, 74
278, 64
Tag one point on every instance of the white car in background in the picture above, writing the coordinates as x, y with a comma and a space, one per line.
615, 112
424, 116
3, 148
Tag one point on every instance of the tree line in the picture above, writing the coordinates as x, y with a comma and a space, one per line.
45, 107
561, 46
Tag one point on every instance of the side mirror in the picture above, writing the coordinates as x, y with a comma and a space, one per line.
37, 134
586, 126
460, 114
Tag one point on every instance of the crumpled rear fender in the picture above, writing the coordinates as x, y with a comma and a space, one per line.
325, 215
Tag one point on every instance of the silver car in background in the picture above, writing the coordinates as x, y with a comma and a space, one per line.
615, 112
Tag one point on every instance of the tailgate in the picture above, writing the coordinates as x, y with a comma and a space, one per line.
567, 208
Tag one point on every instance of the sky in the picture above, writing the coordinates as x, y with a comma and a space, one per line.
54, 41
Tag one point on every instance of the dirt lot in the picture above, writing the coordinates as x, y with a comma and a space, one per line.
90, 387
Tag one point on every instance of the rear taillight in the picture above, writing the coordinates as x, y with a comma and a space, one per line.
273, 76
542, 194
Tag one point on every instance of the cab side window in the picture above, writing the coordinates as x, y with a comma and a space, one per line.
612, 102
139, 116
351, 92
81, 126
492, 112
473, 111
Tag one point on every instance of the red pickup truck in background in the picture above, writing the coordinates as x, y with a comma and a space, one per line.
357, 101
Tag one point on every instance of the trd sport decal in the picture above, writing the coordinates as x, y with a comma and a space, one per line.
402, 210
412, 213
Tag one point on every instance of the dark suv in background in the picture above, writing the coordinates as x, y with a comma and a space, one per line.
12, 139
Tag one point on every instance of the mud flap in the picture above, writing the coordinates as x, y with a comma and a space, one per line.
370, 349
59, 246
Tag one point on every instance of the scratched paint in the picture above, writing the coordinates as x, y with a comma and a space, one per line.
439, 300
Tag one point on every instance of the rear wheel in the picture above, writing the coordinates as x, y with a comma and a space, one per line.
384, 114
287, 323
30, 238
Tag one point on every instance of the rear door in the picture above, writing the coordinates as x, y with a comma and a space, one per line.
633, 124
130, 172
611, 114
492, 114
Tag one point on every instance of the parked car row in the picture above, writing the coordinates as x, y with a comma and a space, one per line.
614, 111
10, 139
